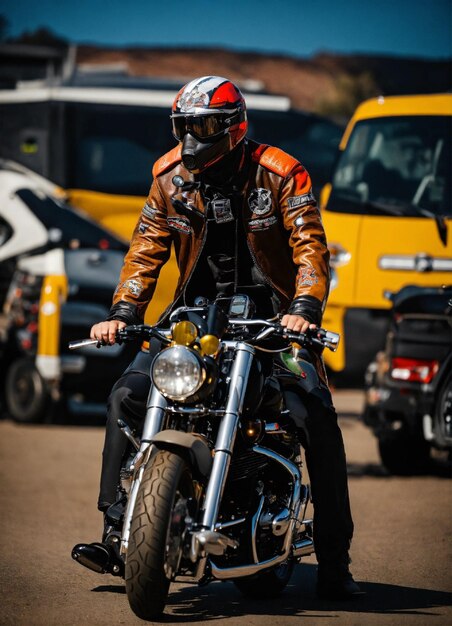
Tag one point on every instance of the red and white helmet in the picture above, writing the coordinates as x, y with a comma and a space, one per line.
210, 109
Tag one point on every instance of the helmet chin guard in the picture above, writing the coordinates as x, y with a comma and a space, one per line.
198, 156
209, 118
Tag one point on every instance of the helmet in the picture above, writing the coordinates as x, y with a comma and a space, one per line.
209, 117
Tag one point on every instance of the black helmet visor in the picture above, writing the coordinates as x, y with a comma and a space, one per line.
204, 126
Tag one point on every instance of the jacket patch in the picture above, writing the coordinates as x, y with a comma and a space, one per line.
260, 201
142, 227
307, 276
133, 286
297, 201
149, 211
263, 223
222, 210
179, 223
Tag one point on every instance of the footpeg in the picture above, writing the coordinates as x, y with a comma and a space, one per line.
304, 545
210, 542
99, 558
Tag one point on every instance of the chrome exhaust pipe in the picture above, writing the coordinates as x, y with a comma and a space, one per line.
302, 547
227, 573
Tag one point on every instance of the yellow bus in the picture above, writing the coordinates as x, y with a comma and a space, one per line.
98, 137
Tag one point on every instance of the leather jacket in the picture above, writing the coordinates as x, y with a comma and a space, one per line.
281, 221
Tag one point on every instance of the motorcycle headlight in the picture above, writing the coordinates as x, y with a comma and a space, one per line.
178, 372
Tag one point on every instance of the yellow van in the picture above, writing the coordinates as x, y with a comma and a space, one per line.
387, 213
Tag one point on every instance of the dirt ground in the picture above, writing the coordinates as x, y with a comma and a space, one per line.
48, 488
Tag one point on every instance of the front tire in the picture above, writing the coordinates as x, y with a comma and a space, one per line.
156, 534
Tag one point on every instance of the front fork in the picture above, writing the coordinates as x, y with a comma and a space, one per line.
226, 436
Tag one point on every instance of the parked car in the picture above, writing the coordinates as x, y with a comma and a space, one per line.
59, 269
387, 214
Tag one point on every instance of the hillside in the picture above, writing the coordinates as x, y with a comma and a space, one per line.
326, 83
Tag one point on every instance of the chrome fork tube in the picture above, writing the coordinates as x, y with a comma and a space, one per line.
155, 412
226, 436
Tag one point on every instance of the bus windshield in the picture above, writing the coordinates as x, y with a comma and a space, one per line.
398, 165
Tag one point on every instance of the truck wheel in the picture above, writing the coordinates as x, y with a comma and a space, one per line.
157, 533
443, 414
402, 453
26, 393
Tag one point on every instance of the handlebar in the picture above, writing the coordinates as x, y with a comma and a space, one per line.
319, 336
128, 333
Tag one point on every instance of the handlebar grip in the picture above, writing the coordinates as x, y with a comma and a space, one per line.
320, 337
329, 339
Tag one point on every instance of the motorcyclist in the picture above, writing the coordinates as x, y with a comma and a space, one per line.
242, 218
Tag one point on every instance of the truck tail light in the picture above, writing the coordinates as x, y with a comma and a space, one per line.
413, 370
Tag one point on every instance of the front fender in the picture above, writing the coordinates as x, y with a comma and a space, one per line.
198, 450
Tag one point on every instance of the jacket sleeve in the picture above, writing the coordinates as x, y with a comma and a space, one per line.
149, 250
308, 242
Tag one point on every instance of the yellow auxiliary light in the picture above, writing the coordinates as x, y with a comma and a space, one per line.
209, 344
184, 333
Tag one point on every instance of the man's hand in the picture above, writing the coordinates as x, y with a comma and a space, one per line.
105, 332
297, 323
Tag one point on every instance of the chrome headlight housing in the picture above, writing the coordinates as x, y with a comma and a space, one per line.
178, 372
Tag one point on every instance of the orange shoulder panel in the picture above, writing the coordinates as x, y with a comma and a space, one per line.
166, 161
277, 161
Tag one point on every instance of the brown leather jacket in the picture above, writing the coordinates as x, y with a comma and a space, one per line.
281, 221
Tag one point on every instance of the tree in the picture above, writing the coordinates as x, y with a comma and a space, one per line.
42, 36
351, 90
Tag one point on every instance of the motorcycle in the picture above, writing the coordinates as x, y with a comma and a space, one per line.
212, 489
408, 386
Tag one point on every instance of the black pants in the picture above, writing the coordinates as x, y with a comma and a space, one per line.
316, 418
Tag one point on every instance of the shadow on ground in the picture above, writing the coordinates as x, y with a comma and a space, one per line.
194, 604
438, 468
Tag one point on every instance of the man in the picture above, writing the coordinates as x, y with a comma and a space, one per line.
242, 218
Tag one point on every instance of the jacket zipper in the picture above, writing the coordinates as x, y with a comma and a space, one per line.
170, 307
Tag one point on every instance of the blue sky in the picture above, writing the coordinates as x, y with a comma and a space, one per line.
421, 28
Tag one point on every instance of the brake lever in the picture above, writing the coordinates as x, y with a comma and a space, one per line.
318, 336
